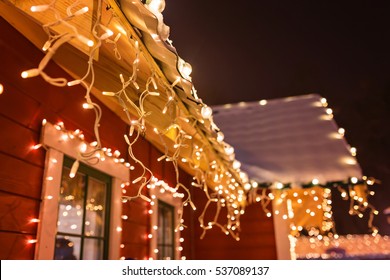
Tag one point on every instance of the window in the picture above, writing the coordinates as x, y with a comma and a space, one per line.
165, 231
165, 214
82, 225
92, 201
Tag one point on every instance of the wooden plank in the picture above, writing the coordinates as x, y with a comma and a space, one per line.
16, 213
17, 106
15, 246
169, 174
27, 183
136, 211
156, 166
18, 141
134, 233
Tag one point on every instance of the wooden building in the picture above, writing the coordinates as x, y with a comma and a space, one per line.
51, 206
107, 152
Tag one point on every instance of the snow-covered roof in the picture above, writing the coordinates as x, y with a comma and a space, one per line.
288, 140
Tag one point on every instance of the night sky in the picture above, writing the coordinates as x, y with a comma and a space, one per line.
253, 50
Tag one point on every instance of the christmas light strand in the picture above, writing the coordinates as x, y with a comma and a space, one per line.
354, 190
229, 193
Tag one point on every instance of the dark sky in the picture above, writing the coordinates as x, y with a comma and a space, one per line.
252, 50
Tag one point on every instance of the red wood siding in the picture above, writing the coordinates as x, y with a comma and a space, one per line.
23, 105
14, 246
257, 241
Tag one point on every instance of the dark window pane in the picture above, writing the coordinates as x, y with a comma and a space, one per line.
67, 248
165, 232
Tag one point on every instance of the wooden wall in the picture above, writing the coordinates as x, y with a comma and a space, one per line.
257, 238
23, 105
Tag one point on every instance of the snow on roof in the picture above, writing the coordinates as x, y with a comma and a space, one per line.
288, 140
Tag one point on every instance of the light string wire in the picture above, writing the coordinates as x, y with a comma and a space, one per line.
355, 191
101, 33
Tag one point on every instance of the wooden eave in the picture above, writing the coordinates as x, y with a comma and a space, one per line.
155, 56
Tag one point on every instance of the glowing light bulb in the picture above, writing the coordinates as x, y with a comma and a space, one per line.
370, 182
186, 70
83, 148
74, 169
108, 33
87, 106
73, 83
353, 151
220, 136
354, 180
229, 150
108, 93
1, 88
39, 8
206, 112
236, 164
157, 5
94, 144
341, 131
36, 147
81, 11
117, 38
263, 102
30, 73
85, 40
315, 181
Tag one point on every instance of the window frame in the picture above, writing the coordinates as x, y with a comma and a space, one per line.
176, 202
90, 172
171, 209
57, 147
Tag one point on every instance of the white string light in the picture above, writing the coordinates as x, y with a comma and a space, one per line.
221, 179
